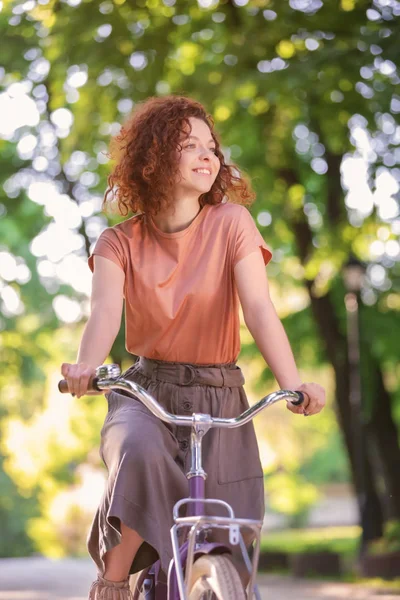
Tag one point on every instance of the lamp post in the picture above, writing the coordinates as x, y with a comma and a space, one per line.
353, 276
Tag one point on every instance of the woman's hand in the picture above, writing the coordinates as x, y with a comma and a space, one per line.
78, 377
314, 400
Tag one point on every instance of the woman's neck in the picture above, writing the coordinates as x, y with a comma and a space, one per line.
179, 217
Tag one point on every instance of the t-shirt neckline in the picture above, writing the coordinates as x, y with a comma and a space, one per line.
177, 234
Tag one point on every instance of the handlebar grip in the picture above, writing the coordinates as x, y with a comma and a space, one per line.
300, 400
92, 387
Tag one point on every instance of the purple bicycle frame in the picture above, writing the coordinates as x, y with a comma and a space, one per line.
197, 492
196, 477
195, 507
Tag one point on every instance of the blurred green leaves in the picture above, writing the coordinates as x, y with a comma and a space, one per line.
297, 90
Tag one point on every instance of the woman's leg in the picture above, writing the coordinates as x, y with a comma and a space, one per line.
136, 447
114, 585
119, 559
133, 520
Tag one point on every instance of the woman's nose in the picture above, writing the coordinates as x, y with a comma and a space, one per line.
205, 153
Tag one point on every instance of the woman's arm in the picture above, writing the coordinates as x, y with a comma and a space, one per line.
102, 326
105, 312
267, 330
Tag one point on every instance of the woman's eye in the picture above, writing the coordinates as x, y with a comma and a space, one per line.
194, 146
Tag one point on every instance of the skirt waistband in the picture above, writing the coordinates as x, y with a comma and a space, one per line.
229, 375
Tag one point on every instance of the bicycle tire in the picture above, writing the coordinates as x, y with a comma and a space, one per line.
216, 574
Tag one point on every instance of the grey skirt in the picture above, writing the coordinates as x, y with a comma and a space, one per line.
147, 459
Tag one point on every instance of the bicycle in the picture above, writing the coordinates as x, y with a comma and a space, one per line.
199, 569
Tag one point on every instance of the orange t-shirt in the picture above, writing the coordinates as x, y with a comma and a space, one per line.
181, 302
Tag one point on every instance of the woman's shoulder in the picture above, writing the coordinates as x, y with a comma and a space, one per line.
228, 211
230, 217
129, 228
115, 242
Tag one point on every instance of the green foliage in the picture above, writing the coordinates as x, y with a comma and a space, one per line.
299, 455
291, 495
313, 69
329, 464
390, 542
343, 540
58, 539
15, 513
49, 454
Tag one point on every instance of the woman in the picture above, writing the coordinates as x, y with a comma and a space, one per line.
182, 264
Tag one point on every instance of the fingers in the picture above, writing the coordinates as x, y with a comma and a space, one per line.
64, 369
297, 410
78, 377
72, 380
84, 381
314, 400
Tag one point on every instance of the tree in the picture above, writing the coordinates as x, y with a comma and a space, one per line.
304, 95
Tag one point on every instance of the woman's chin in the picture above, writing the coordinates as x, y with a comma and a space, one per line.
199, 189
203, 189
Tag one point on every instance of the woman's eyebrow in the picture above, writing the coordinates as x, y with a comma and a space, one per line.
193, 137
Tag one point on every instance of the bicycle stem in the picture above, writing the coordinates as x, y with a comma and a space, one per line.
197, 476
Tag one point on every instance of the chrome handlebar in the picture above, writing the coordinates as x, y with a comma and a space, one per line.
108, 378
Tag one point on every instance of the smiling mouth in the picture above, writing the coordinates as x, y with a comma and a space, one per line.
202, 171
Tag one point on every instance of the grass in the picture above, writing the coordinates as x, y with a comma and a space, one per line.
392, 585
343, 540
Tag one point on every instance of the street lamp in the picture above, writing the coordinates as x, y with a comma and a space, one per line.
353, 277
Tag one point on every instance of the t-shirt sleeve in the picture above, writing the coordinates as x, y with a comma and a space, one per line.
109, 246
249, 239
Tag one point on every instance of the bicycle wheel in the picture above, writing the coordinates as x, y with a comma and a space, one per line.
215, 577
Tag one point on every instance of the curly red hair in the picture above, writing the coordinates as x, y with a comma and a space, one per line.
146, 169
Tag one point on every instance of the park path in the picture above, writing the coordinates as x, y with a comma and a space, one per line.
42, 579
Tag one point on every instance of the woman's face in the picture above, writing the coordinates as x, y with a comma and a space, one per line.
198, 164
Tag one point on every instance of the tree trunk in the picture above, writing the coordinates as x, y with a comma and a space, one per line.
370, 507
383, 431
369, 503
